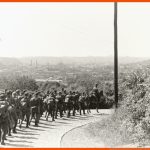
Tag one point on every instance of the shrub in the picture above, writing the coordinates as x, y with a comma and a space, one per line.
18, 82
134, 110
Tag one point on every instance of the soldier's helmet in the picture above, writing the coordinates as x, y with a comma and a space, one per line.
83, 93
8, 93
2, 97
18, 91
51, 95
55, 91
96, 84
26, 94
94, 88
37, 93
48, 92
5, 90
94, 92
14, 94
101, 92
59, 93
65, 92
77, 92
67, 96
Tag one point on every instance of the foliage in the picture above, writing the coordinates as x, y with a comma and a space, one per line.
108, 89
130, 124
18, 82
133, 116
48, 86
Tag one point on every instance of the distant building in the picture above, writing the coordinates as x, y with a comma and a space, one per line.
50, 79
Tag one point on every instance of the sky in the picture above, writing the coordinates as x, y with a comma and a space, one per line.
73, 29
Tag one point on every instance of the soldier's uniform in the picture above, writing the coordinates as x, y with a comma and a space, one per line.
68, 102
63, 99
35, 104
88, 103
82, 104
50, 102
96, 94
75, 98
59, 105
10, 99
4, 119
12, 112
25, 108
18, 106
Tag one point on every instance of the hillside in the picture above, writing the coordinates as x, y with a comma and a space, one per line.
79, 60
67, 60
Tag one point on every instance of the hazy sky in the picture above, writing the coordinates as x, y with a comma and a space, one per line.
73, 29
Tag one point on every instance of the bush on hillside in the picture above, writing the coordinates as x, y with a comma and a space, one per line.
133, 116
18, 82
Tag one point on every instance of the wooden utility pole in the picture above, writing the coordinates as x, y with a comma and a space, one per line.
115, 55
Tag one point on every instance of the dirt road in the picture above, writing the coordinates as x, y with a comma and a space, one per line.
49, 133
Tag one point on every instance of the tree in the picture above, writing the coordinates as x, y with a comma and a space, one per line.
18, 82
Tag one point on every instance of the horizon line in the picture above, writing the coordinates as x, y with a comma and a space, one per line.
73, 56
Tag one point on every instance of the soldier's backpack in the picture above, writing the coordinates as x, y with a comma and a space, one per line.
50, 99
3, 106
3, 111
12, 116
33, 102
58, 98
81, 99
67, 99
24, 104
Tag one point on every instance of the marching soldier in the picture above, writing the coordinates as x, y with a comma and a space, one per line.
10, 98
87, 103
50, 106
75, 98
25, 109
64, 93
17, 98
59, 105
68, 101
67, 104
35, 103
96, 94
81, 103
4, 119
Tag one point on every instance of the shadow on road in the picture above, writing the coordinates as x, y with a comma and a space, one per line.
26, 137
62, 122
25, 141
18, 145
23, 137
36, 128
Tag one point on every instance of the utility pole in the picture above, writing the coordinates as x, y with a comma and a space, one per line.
115, 55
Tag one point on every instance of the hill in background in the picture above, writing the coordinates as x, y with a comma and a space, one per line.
9, 61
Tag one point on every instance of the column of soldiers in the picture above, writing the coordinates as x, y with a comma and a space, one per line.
18, 106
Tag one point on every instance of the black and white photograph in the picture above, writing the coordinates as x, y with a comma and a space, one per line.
74, 75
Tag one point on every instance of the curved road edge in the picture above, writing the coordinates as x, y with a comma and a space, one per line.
80, 127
